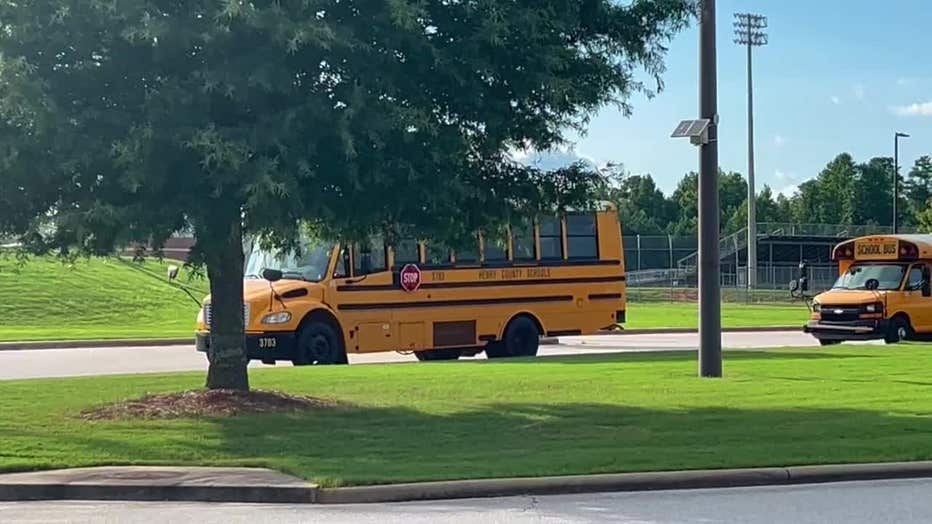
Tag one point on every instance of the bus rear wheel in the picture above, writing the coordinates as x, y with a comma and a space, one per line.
522, 339
438, 354
318, 345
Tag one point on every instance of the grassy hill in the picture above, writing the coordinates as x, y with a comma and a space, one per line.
46, 299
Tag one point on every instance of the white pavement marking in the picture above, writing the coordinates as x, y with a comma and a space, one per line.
899, 501
129, 360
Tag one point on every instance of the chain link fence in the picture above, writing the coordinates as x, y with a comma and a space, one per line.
679, 285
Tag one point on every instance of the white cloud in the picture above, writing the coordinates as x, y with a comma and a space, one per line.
779, 140
787, 181
835, 100
859, 91
552, 159
788, 191
914, 109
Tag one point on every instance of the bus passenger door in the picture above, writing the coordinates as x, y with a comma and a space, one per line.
370, 327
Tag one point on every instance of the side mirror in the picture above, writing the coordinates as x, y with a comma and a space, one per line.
794, 286
871, 284
272, 275
172, 273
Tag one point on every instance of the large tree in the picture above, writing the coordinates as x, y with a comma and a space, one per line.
642, 206
919, 186
127, 120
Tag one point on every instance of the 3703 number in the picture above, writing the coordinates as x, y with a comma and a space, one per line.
268, 343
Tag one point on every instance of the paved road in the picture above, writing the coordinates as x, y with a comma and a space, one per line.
903, 502
104, 361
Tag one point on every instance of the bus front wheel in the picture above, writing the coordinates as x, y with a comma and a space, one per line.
899, 331
522, 339
318, 345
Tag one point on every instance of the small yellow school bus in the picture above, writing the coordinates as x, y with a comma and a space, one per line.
882, 291
552, 276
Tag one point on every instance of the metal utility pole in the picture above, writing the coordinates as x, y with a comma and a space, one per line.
710, 314
749, 32
896, 179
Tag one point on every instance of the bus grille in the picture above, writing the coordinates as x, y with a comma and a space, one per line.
208, 315
839, 313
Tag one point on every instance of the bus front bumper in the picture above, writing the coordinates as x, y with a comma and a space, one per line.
853, 330
266, 347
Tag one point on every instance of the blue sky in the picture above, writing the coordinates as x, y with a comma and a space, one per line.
838, 75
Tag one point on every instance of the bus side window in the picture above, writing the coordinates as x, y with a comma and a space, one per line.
522, 242
581, 240
914, 283
340, 271
370, 258
468, 253
494, 249
436, 254
407, 252
551, 238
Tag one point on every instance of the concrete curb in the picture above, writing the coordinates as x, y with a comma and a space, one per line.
158, 483
87, 344
297, 492
270, 494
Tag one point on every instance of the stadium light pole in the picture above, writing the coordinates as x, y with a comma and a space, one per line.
710, 305
896, 179
749, 32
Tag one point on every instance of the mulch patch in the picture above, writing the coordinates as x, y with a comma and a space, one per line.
206, 403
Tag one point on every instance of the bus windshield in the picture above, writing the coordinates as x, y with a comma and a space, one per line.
889, 276
310, 263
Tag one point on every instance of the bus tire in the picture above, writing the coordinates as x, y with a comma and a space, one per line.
522, 339
438, 354
318, 345
826, 342
899, 330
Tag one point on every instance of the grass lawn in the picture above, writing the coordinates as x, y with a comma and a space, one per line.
549, 416
46, 299
686, 315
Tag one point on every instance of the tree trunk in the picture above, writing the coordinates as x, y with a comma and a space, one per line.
227, 352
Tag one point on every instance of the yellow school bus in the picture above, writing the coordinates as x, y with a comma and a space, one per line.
548, 277
882, 291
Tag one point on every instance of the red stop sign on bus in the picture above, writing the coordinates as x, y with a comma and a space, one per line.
410, 278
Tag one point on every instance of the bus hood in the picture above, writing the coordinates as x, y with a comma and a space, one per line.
258, 289
850, 297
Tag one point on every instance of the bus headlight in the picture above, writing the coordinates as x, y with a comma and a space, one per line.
281, 317
876, 307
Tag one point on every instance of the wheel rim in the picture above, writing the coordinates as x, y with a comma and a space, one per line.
901, 333
319, 350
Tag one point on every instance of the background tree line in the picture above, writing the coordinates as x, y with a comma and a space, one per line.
845, 192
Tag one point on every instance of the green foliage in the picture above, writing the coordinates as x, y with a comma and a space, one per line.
547, 416
154, 115
919, 186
